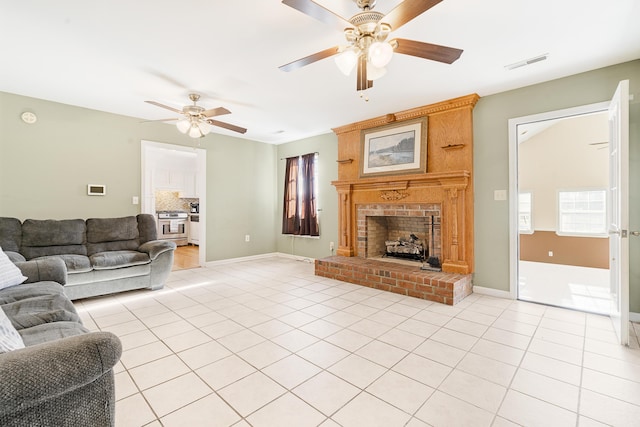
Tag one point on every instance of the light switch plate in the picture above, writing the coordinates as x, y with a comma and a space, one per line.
500, 195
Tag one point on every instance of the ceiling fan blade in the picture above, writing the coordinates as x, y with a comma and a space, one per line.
314, 10
406, 11
160, 120
310, 59
362, 83
157, 104
427, 50
215, 112
227, 126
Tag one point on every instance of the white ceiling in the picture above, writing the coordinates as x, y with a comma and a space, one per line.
113, 55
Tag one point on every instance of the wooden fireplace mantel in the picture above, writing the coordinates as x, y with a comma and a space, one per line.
448, 180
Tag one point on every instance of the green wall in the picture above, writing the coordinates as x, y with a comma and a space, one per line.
327, 148
491, 161
45, 169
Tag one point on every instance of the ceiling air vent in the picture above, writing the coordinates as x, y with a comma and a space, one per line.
527, 62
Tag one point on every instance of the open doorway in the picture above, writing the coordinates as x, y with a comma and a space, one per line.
174, 189
561, 187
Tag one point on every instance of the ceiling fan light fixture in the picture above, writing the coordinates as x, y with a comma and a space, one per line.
374, 73
380, 54
195, 132
346, 61
205, 127
183, 125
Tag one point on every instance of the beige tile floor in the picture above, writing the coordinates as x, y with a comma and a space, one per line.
267, 343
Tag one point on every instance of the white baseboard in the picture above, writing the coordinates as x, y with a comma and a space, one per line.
492, 292
296, 257
257, 257
241, 259
634, 317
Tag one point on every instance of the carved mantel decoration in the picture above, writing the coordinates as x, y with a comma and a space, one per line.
448, 180
393, 195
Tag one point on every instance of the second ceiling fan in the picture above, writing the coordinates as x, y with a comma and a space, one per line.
366, 34
196, 121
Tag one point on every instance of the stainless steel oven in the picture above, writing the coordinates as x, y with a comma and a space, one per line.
173, 226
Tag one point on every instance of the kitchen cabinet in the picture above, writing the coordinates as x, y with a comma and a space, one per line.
176, 180
194, 232
189, 186
166, 179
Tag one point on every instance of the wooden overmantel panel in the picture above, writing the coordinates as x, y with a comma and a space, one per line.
448, 179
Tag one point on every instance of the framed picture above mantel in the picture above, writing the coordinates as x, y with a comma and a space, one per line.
396, 148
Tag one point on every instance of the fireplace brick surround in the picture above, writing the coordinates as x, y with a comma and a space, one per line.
445, 187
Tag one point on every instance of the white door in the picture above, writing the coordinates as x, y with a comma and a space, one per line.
619, 210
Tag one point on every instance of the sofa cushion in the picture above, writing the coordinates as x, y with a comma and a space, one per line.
53, 237
10, 275
34, 311
29, 290
75, 263
112, 234
10, 234
10, 339
147, 227
118, 259
51, 331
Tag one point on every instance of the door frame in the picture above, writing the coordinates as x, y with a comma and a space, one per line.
148, 198
514, 234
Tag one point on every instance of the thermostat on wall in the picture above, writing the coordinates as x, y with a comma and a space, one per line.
96, 190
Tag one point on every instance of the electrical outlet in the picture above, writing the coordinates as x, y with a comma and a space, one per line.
247, 238
135, 200
550, 253
500, 195
331, 246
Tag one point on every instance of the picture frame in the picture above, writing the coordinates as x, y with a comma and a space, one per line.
397, 148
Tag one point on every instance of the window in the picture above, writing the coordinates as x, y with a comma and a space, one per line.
300, 212
525, 219
582, 212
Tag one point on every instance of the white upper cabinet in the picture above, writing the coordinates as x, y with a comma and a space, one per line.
176, 173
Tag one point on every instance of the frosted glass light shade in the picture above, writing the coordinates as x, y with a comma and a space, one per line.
205, 127
346, 61
183, 125
194, 132
380, 54
374, 73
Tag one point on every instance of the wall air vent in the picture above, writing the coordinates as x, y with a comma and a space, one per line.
526, 62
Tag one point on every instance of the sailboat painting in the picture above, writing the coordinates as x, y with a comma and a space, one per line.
394, 148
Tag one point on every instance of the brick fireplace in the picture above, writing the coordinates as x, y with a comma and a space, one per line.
378, 223
372, 209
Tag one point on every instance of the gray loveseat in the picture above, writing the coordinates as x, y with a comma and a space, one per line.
64, 375
101, 255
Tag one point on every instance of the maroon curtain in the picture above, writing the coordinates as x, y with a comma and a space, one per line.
308, 214
299, 214
290, 212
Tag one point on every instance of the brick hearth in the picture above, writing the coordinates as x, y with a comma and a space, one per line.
446, 288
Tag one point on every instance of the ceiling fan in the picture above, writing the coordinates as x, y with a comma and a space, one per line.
196, 121
366, 34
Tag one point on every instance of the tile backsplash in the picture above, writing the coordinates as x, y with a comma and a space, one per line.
170, 201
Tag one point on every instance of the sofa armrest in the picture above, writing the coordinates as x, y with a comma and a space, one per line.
40, 270
155, 247
34, 374
15, 256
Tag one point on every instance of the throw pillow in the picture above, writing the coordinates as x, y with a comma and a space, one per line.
10, 339
10, 275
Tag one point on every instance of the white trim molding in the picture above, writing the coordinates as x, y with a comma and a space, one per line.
258, 257
497, 293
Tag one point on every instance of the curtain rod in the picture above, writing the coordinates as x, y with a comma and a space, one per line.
285, 158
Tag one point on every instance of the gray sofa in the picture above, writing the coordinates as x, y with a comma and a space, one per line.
64, 375
102, 255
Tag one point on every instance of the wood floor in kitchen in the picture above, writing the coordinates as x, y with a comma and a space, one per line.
185, 257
